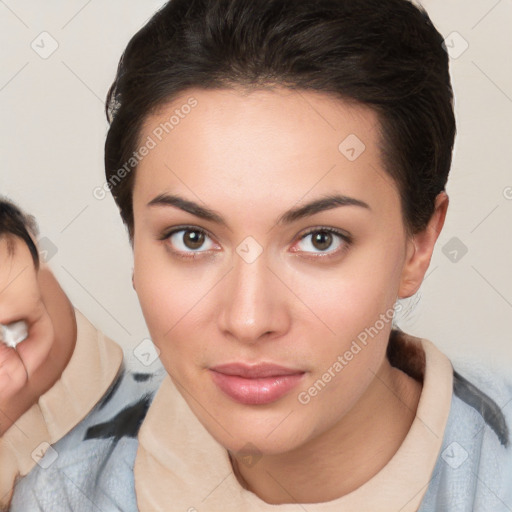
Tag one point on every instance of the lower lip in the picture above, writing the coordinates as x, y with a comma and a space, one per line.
256, 391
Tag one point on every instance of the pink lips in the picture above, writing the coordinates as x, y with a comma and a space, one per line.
255, 384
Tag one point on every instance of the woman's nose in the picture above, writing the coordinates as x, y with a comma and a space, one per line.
254, 304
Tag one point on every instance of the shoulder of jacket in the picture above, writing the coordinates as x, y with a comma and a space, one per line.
489, 393
474, 467
93, 463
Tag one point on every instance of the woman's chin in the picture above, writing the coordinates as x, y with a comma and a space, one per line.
264, 433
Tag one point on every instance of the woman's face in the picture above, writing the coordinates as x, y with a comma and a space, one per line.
272, 314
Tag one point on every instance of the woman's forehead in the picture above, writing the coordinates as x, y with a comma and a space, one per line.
265, 142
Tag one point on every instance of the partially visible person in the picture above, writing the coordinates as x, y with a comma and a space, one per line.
52, 379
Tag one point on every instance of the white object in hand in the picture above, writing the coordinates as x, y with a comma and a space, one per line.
14, 333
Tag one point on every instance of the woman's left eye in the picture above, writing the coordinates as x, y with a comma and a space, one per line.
322, 240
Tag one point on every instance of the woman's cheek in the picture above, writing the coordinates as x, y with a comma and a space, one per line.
169, 301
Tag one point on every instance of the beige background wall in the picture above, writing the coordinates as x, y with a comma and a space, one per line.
53, 127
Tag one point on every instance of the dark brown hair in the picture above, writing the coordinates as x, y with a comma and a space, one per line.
385, 54
15, 223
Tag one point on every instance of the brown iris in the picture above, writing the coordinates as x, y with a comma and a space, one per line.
193, 239
322, 240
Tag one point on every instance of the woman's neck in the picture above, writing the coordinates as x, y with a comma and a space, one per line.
346, 456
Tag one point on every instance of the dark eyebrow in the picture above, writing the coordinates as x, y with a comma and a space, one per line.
316, 206
320, 205
187, 206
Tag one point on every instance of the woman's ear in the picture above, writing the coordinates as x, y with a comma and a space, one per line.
133, 279
420, 248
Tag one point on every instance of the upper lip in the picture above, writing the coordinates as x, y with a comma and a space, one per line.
255, 371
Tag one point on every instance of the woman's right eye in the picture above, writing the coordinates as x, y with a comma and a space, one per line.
190, 241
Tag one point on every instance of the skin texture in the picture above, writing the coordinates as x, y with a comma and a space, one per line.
250, 157
35, 296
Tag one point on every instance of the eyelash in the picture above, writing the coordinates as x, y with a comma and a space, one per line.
346, 239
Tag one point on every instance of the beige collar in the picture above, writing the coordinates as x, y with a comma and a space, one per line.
178, 462
93, 366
